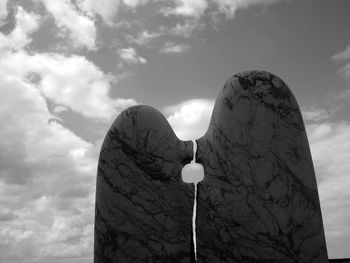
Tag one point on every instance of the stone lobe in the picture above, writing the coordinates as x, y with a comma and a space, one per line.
258, 201
143, 208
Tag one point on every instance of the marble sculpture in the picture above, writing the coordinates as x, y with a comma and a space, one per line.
258, 201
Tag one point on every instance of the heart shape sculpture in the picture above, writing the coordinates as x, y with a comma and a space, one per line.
258, 201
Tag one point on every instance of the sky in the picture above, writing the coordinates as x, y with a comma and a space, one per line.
69, 67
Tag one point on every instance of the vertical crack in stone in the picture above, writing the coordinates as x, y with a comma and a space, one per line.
193, 173
194, 217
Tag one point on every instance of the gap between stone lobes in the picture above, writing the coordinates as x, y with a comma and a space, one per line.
193, 173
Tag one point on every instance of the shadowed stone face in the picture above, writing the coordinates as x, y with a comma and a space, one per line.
258, 201
143, 208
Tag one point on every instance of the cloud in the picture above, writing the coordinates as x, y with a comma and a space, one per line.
26, 24
144, 37
188, 8
47, 177
73, 82
186, 29
229, 7
130, 56
330, 144
67, 81
196, 11
345, 71
47, 173
341, 56
106, 9
80, 28
134, 3
197, 8
3, 11
190, 119
172, 48
313, 114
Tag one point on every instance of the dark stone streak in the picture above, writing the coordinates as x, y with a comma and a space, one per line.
258, 201
143, 209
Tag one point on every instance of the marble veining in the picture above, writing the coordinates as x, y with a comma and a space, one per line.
258, 201
143, 208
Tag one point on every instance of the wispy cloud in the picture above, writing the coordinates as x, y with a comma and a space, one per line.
313, 114
134, 3
172, 48
145, 37
107, 10
187, 28
3, 11
341, 56
80, 28
229, 8
344, 71
130, 56
189, 8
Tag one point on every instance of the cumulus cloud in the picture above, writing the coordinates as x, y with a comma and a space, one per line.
190, 119
47, 172
26, 24
80, 28
73, 82
129, 55
46, 179
172, 48
330, 144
